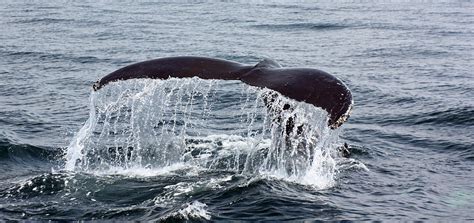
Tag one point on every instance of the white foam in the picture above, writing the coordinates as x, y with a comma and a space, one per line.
145, 171
195, 209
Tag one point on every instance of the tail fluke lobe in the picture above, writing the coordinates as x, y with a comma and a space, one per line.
308, 85
179, 67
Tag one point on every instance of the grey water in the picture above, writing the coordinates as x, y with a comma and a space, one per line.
195, 150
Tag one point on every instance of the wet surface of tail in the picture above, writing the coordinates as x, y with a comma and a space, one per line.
302, 84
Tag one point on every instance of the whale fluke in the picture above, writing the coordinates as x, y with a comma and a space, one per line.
302, 84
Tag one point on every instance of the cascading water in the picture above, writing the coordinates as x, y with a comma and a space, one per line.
150, 125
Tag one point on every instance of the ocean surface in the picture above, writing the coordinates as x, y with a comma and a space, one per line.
199, 150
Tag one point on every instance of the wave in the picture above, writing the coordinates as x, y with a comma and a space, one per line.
302, 26
45, 20
418, 138
52, 21
24, 153
292, 6
206, 195
188, 212
50, 57
455, 116
397, 52
462, 116
344, 24
43, 184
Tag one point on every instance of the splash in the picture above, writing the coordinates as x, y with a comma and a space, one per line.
191, 211
154, 125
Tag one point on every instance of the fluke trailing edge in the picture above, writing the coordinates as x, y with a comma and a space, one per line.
302, 84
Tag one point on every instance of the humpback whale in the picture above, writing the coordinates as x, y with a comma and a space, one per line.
308, 85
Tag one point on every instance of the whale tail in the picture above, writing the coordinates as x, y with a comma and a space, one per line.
302, 84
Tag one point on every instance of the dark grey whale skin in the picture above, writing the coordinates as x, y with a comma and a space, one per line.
312, 86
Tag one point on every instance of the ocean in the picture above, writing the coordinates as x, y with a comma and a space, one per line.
207, 150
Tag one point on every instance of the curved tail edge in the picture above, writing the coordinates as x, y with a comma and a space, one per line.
308, 85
